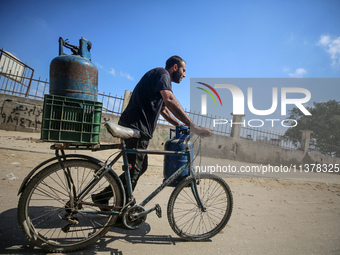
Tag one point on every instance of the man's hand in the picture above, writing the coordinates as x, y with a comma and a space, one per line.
201, 131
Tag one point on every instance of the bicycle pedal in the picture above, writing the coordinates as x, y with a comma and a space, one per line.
158, 211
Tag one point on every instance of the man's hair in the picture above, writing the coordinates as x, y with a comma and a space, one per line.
172, 61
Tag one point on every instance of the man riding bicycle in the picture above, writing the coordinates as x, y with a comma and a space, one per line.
151, 97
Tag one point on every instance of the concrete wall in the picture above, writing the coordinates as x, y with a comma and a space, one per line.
22, 114
261, 153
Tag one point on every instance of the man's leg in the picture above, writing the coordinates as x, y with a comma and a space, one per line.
138, 162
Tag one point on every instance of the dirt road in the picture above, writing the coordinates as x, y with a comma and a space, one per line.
275, 215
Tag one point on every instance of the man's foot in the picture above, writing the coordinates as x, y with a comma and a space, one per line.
101, 198
119, 223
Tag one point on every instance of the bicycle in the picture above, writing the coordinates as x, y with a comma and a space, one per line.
56, 213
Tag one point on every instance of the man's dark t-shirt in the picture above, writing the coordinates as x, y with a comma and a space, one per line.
146, 102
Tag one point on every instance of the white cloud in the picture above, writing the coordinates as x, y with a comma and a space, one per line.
127, 76
112, 71
99, 65
299, 73
324, 40
332, 47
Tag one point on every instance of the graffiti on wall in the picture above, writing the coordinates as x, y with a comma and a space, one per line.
21, 115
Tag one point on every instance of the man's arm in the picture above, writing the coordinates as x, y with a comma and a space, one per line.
176, 109
169, 117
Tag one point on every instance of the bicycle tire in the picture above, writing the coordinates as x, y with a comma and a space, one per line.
43, 203
186, 218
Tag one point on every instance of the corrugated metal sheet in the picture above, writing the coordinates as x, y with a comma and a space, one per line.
11, 66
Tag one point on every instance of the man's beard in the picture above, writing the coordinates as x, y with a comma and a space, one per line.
176, 77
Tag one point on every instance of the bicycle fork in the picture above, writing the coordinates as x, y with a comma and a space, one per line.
196, 195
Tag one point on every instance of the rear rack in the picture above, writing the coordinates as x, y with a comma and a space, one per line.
92, 147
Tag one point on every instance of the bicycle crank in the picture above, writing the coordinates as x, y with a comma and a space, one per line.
157, 208
136, 215
133, 217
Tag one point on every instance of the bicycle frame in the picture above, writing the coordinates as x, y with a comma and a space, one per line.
101, 173
64, 200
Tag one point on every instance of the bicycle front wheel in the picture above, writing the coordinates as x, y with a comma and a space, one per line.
46, 216
191, 222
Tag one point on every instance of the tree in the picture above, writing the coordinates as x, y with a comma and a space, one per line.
325, 124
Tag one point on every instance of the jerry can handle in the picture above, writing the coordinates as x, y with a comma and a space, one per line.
171, 133
64, 43
178, 131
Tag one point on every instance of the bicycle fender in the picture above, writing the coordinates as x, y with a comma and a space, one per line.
30, 175
121, 186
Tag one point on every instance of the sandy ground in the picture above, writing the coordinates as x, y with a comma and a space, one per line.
279, 214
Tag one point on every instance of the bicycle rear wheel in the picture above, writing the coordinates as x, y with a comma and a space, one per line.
193, 223
44, 210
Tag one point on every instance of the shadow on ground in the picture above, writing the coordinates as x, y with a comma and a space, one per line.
13, 240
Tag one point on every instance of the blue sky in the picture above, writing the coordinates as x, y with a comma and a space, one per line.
218, 39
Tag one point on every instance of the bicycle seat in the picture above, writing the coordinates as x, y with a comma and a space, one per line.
121, 132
